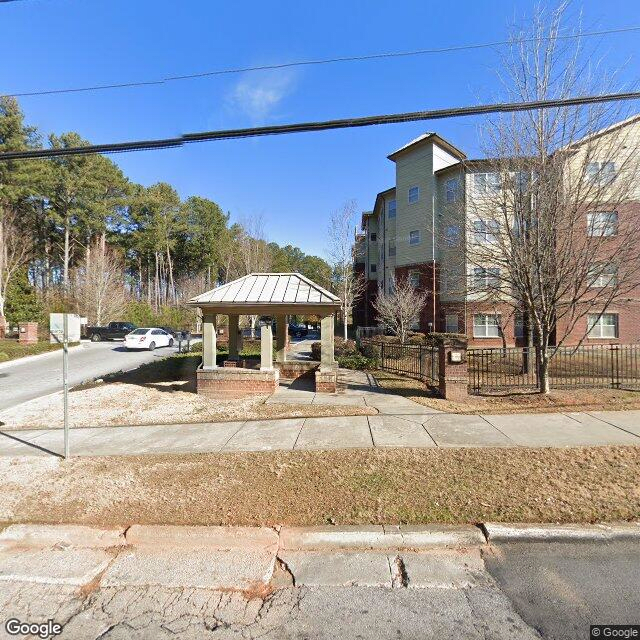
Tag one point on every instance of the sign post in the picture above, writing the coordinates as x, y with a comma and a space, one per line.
65, 381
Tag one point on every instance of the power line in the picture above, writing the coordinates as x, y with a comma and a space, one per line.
367, 121
323, 61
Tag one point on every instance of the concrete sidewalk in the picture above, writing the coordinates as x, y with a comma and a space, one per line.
400, 422
389, 429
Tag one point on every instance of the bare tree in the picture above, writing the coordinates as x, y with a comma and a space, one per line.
99, 286
400, 308
553, 220
348, 285
252, 254
15, 251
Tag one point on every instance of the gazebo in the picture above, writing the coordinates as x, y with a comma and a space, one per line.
275, 295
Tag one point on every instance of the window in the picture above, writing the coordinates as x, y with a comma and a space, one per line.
601, 172
392, 248
451, 323
451, 190
452, 235
373, 268
487, 182
603, 326
603, 275
486, 326
414, 194
391, 209
374, 237
414, 237
486, 278
414, 279
485, 230
602, 223
518, 325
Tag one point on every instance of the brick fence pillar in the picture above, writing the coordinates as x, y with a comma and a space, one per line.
3, 327
27, 332
453, 376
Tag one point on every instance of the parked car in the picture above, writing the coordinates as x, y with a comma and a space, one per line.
170, 330
112, 331
298, 330
148, 338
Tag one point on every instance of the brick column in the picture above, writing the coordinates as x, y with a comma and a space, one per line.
327, 353
3, 326
327, 374
233, 337
209, 339
281, 338
266, 348
453, 376
28, 332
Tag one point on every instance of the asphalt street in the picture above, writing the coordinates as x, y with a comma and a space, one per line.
31, 379
561, 588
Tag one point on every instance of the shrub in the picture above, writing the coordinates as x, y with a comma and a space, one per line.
371, 351
315, 350
357, 361
416, 338
345, 347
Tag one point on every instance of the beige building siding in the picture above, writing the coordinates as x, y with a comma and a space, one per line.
388, 274
415, 168
450, 236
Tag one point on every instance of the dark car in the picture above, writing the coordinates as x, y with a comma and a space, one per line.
113, 331
298, 330
171, 330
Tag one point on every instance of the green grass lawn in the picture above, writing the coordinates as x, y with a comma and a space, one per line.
12, 349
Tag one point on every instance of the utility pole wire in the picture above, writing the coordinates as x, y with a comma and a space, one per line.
303, 63
302, 127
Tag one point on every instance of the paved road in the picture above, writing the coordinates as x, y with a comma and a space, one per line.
560, 588
31, 379
166, 582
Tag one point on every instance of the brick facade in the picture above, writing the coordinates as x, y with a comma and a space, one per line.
435, 203
234, 382
28, 332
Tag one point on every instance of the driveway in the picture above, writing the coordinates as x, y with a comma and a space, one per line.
31, 379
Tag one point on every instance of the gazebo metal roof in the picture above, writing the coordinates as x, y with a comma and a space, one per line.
268, 293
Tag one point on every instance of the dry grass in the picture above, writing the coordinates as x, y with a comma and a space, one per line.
155, 403
515, 402
346, 487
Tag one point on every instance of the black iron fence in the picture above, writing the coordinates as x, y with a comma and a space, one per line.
412, 360
597, 366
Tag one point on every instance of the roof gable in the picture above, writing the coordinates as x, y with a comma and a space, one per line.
267, 289
428, 137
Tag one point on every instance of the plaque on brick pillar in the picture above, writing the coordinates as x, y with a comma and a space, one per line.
452, 365
28, 332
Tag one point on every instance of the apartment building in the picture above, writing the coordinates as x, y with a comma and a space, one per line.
421, 229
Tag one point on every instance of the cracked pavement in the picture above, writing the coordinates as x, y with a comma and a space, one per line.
156, 582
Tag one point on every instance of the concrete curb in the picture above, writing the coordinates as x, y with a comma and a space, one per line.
50, 535
378, 537
212, 537
382, 538
502, 532
37, 356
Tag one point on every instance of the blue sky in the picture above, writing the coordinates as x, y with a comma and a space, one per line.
293, 182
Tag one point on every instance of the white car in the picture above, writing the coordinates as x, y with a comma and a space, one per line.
148, 339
